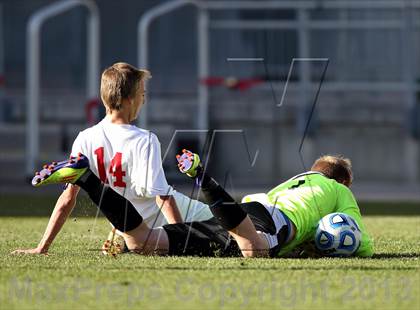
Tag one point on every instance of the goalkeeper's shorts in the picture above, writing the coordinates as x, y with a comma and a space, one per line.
201, 238
209, 238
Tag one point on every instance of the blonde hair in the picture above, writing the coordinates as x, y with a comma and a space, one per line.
335, 167
120, 81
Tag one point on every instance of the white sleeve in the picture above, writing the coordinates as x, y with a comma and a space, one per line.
148, 175
77, 145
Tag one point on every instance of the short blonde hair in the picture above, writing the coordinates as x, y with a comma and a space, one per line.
120, 81
335, 167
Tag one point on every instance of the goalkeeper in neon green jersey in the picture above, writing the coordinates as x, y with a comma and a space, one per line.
307, 198
295, 207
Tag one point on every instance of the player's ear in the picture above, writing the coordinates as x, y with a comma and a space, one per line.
344, 181
129, 100
347, 183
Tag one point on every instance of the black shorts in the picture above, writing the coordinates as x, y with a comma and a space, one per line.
209, 238
200, 238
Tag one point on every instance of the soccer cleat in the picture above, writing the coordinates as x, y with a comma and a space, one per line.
189, 163
67, 171
114, 244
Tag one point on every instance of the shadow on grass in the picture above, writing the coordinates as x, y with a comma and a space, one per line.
375, 256
395, 255
245, 267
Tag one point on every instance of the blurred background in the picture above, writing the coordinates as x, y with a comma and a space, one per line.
219, 86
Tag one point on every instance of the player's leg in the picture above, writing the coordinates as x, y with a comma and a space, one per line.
224, 208
200, 238
124, 217
233, 218
116, 208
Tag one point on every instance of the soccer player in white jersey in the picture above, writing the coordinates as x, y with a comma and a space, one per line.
123, 156
273, 224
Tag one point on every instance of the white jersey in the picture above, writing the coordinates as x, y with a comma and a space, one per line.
129, 160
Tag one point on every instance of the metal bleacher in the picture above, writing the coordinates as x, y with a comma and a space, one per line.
364, 111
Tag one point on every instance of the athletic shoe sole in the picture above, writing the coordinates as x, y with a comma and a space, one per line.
114, 244
67, 171
189, 163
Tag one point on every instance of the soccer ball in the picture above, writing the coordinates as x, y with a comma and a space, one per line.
337, 234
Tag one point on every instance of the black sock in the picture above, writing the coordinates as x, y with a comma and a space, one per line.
213, 192
92, 185
117, 209
223, 207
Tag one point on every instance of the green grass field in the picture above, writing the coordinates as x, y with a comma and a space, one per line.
75, 275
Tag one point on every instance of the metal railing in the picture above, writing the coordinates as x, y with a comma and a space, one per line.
33, 51
143, 53
204, 24
1, 41
303, 24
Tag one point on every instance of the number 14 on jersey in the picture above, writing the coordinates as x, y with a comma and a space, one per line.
115, 168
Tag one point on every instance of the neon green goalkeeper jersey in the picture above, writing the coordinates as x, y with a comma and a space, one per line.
306, 198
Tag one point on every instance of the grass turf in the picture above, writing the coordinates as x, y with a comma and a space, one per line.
75, 274
42, 205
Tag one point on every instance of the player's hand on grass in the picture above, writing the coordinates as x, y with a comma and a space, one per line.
30, 251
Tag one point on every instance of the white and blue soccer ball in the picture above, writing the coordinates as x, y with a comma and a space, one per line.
337, 234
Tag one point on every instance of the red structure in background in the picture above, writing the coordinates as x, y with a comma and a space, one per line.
232, 82
90, 107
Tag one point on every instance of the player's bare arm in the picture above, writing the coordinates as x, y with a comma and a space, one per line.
62, 210
169, 208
